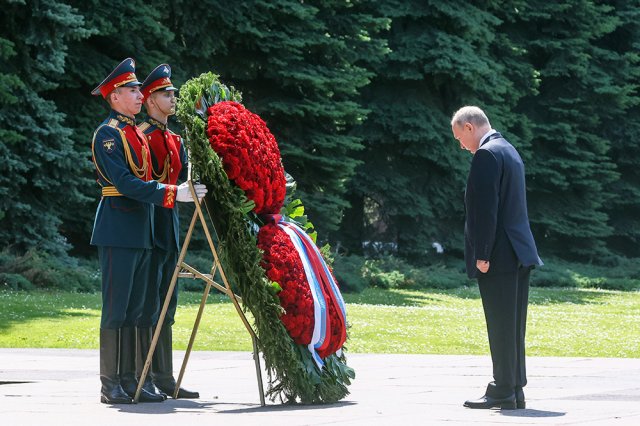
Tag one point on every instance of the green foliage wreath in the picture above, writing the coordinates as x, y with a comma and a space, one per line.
293, 375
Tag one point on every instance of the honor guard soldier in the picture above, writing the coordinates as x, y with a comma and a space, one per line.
169, 164
123, 230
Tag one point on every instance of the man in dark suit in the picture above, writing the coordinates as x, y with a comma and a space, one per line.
123, 229
499, 251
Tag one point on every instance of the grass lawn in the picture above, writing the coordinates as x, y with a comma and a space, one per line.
562, 322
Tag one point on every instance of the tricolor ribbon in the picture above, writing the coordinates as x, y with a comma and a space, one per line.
325, 293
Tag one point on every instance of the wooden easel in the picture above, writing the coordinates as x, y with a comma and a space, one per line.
185, 271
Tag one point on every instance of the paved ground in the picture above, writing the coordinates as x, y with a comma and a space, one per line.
61, 387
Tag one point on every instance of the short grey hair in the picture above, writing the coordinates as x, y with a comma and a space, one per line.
470, 114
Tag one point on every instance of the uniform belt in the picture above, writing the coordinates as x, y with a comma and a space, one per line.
110, 191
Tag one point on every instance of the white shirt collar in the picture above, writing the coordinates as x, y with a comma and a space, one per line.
486, 135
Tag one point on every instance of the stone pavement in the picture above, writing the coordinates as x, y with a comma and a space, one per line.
61, 387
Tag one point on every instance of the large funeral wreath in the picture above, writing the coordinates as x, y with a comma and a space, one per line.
266, 245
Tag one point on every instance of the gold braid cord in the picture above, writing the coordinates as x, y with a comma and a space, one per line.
139, 172
93, 155
160, 177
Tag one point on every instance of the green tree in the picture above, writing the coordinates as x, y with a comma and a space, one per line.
571, 168
296, 65
621, 125
39, 171
559, 79
410, 185
120, 29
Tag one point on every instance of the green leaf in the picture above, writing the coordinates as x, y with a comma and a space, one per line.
275, 287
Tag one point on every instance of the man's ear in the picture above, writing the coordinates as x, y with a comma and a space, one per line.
113, 96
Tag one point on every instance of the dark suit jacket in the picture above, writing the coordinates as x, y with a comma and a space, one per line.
497, 224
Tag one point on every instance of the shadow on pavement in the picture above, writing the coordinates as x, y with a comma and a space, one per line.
167, 407
531, 413
288, 407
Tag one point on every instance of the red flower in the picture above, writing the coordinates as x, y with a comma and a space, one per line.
251, 159
282, 264
249, 153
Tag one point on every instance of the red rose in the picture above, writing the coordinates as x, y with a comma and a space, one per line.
283, 265
250, 154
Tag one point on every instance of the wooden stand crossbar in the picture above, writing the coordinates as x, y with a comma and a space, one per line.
186, 271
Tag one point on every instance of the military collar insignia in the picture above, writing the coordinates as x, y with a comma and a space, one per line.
158, 124
126, 119
144, 126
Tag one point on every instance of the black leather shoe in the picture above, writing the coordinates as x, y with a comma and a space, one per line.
114, 395
486, 402
145, 396
182, 393
148, 386
186, 394
520, 402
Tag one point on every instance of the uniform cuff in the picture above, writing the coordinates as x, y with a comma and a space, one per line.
170, 192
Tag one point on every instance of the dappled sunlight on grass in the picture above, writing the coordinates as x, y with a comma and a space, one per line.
548, 296
562, 322
400, 297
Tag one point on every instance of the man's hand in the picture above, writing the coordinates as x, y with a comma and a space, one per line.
482, 265
184, 192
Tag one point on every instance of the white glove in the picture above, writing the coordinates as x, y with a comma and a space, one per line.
184, 192
201, 190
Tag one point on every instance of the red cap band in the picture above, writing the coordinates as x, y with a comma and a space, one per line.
156, 85
117, 82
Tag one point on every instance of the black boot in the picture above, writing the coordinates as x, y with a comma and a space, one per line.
144, 343
128, 367
162, 366
111, 392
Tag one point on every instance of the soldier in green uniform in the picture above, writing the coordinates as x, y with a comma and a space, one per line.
169, 164
123, 229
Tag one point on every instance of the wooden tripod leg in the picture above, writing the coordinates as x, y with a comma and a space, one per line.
229, 292
165, 307
226, 289
256, 359
254, 338
196, 325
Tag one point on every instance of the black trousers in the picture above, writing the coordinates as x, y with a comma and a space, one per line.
125, 273
163, 264
505, 298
